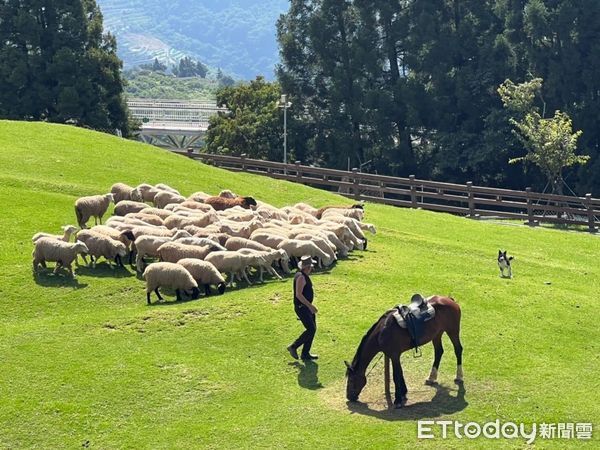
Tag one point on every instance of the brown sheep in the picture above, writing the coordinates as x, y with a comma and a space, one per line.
221, 203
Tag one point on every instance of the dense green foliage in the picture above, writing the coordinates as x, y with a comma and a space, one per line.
155, 84
87, 364
187, 67
57, 64
253, 124
551, 142
237, 36
412, 85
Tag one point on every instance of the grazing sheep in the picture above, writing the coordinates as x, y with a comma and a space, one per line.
323, 244
125, 207
190, 204
68, 230
320, 211
204, 273
154, 231
221, 203
355, 213
198, 196
269, 257
126, 237
241, 231
148, 246
296, 249
128, 221
368, 227
237, 243
93, 206
163, 214
174, 251
163, 198
344, 234
352, 225
271, 213
165, 187
145, 191
307, 208
226, 193
199, 219
201, 241
100, 245
234, 262
151, 219
267, 238
122, 191
63, 253
171, 275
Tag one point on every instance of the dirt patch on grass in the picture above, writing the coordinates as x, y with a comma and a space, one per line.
442, 399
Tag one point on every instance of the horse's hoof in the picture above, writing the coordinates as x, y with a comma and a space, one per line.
458, 381
429, 382
401, 403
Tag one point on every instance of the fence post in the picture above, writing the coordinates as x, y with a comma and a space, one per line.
386, 375
243, 158
298, 172
471, 199
590, 213
355, 181
530, 221
413, 191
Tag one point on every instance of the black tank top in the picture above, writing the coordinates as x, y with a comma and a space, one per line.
307, 292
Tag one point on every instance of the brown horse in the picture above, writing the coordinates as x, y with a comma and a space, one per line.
386, 336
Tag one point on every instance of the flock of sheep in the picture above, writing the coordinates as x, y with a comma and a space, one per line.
199, 238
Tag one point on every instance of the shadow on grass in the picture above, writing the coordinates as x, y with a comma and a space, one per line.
308, 374
102, 270
61, 279
442, 403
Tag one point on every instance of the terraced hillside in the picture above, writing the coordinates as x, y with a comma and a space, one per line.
236, 35
87, 363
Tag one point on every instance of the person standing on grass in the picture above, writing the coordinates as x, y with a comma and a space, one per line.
305, 310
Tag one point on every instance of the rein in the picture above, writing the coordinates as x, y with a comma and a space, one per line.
374, 365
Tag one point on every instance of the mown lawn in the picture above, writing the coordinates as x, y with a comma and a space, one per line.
88, 363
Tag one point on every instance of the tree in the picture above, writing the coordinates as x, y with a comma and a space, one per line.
253, 125
56, 64
189, 68
224, 80
551, 142
156, 66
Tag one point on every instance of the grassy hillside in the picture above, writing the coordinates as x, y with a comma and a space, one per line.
88, 363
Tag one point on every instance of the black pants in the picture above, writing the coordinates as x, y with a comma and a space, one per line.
309, 320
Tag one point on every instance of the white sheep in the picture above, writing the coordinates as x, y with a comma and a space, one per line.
268, 212
198, 196
234, 263
174, 251
190, 204
125, 207
323, 244
166, 187
226, 193
151, 219
68, 230
101, 245
198, 219
63, 253
171, 275
352, 225
193, 240
122, 191
148, 246
355, 213
163, 198
296, 249
204, 273
93, 206
307, 208
267, 238
163, 214
269, 257
145, 191
244, 230
237, 243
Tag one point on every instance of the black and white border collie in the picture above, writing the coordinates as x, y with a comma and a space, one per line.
504, 264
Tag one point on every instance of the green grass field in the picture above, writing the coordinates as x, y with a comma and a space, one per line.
88, 363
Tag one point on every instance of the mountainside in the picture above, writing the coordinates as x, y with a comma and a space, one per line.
237, 36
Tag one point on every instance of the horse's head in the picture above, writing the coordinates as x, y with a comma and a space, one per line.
356, 382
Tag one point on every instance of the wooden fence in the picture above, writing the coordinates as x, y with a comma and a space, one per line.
463, 199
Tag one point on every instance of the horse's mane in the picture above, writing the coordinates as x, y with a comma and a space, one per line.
356, 359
